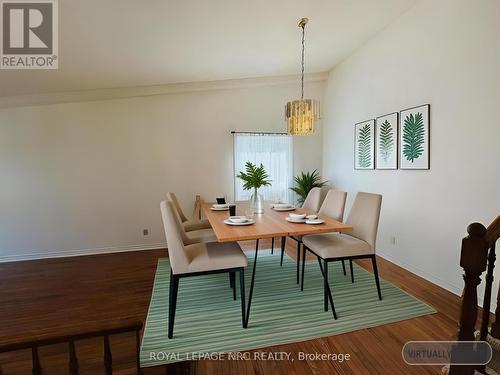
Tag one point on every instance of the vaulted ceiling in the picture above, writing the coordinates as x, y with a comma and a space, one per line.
127, 43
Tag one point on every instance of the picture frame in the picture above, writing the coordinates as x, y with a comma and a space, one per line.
414, 137
364, 145
386, 141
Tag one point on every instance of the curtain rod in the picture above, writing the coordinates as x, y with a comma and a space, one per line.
262, 133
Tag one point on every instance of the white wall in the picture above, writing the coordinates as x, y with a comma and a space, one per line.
86, 177
446, 53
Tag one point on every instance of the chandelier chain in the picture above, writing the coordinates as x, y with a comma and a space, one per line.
302, 73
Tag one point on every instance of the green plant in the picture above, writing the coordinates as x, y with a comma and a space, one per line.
255, 177
386, 141
413, 136
364, 149
305, 182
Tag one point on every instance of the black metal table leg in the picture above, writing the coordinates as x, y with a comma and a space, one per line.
298, 261
303, 266
283, 242
272, 245
352, 272
250, 293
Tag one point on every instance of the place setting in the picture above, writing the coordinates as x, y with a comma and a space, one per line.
220, 205
239, 220
304, 219
283, 207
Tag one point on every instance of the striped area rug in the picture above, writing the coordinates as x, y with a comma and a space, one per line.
209, 320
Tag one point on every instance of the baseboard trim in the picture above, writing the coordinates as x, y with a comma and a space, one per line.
423, 274
82, 252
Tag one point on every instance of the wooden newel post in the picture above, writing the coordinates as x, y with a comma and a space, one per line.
492, 236
473, 259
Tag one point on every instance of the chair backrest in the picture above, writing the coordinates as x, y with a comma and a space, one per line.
314, 199
173, 198
334, 204
364, 217
179, 260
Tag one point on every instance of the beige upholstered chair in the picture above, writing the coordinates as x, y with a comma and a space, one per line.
359, 243
197, 259
333, 207
314, 199
189, 224
193, 236
312, 202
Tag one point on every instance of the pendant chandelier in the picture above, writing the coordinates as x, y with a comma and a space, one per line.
301, 114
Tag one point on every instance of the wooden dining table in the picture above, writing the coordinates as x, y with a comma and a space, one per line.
269, 224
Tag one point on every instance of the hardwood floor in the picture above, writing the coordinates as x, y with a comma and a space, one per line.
63, 296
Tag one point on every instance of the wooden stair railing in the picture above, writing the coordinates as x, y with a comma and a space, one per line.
73, 360
477, 255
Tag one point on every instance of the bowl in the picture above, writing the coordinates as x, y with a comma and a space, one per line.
312, 217
215, 205
238, 219
297, 216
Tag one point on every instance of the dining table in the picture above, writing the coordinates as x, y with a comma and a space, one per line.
267, 225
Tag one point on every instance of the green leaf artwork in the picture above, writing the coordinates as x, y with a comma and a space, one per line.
386, 140
364, 149
413, 136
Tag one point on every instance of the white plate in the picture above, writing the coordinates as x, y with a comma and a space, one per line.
297, 221
238, 219
219, 209
248, 222
290, 208
297, 216
313, 222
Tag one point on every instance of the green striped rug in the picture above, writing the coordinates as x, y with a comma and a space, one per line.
209, 320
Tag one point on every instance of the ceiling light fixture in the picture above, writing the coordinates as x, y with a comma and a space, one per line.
301, 114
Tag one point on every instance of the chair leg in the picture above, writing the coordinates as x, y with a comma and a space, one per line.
232, 277
303, 266
283, 243
272, 245
352, 272
343, 267
375, 271
328, 289
298, 261
242, 296
172, 303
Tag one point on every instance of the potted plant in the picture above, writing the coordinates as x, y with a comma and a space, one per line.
254, 178
305, 182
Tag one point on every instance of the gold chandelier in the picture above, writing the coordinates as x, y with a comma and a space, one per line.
301, 114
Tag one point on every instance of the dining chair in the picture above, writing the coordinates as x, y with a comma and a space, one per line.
198, 259
312, 202
359, 243
194, 223
333, 207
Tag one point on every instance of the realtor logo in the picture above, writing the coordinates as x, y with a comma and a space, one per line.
29, 34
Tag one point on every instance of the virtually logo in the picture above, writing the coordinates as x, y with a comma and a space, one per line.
29, 37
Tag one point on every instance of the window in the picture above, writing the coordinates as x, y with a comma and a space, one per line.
275, 152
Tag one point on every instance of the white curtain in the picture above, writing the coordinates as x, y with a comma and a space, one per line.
275, 152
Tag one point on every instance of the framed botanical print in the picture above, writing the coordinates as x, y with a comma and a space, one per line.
386, 141
364, 145
414, 137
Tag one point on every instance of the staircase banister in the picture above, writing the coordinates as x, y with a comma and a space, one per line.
493, 231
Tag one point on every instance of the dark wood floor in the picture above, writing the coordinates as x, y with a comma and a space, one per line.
44, 298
